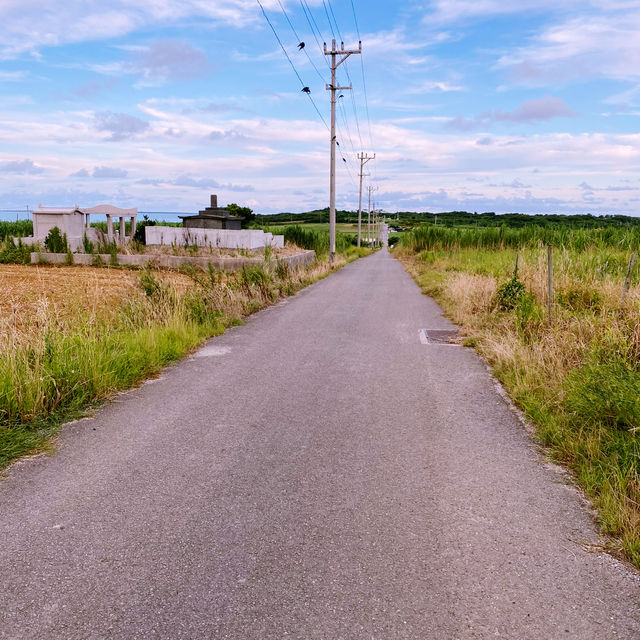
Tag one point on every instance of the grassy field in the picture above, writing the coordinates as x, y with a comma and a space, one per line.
70, 337
575, 374
322, 227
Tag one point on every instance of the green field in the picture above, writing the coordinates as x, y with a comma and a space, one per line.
341, 227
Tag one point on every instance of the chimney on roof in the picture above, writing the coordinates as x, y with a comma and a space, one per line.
214, 201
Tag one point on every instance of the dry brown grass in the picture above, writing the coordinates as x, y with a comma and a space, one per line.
34, 296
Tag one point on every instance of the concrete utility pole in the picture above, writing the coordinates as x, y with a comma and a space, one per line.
376, 226
363, 160
338, 56
370, 189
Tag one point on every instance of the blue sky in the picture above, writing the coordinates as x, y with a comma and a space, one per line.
481, 105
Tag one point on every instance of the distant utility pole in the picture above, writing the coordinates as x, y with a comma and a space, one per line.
371, 190
376, 226
364, 158
338, 56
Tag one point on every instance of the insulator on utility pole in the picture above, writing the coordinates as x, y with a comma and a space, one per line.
338, 56
364, 158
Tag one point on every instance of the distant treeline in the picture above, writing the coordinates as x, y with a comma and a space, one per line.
461, 219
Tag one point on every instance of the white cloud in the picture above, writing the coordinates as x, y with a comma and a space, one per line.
120, 125
25, 167
109, 172
11, 76
28, 25
529, 111
168, 59
442, 11
587, 46
101, 173
431, 86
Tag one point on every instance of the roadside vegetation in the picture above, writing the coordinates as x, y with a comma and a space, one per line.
576, 373
315, 237
80, 338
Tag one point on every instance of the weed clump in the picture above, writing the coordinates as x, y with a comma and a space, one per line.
15, 253
604, 393
510, 294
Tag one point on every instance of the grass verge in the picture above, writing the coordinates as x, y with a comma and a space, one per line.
56, 366
576, 376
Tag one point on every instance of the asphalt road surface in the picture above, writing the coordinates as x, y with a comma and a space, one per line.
317, 473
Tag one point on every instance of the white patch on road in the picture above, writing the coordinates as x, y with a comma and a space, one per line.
211, 350
422, 334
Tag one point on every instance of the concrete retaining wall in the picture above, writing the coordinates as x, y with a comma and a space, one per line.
169, 262
217, 238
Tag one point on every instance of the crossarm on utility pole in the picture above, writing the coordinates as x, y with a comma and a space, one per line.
364, 158
338, 56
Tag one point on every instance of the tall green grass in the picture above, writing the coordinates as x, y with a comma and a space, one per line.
312, 239
429, 237
17, 229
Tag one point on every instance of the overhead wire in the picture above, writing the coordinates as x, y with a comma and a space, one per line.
330, 14
315, 29
329, 9
313, 25
326, 11
364, 82
299, 40
275, 33
333, 15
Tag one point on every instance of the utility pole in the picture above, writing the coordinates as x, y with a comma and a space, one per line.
338, 56
370, 189
376, 226
363, 160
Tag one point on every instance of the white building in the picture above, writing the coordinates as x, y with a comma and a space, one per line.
75, 222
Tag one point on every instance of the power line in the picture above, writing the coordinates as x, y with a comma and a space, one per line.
312, 21
338, 56
333, 15
328, 8
333, 33
364, 82
275, 33
299, 40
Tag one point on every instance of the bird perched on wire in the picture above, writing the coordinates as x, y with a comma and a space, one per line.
301, 46
306, 90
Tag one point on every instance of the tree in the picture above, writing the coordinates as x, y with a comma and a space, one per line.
56, 242
242, 212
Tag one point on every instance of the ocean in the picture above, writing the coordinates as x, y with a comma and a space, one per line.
11, 215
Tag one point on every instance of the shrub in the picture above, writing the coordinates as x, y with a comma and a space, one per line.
87, 245
509, 294
56, 242
12, 253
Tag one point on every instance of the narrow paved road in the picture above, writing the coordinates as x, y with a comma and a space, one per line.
316, 473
